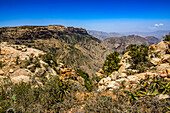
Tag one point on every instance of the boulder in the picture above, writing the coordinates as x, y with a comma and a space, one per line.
133, 78
156, 61
24, 50
61, 65
101, 87
123, 75
104, 80
42, 62
135, 71
17, 79
123, 81
112, 85
162, 46
1, 72
11, 70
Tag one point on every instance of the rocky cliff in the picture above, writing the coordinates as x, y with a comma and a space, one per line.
72, 45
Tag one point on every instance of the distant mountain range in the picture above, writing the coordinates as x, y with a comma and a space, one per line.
157, 34
104, 35
120, 43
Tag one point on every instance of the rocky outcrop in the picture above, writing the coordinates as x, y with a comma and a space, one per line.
120, 78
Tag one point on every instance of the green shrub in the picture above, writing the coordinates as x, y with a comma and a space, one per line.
1, 64
139, 57
88, 82
112, 63
50, 59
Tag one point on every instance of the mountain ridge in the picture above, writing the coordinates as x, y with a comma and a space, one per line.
72, 45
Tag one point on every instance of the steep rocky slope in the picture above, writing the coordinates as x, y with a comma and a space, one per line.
72, 45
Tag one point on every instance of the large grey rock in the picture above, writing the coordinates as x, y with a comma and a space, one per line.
123, 81
112, 85
133, 78
17, 79
104, 80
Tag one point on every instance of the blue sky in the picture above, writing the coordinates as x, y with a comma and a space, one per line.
103, 15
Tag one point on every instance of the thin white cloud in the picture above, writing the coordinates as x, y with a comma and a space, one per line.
158, 25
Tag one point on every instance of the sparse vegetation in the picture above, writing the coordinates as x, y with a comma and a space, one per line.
55, 95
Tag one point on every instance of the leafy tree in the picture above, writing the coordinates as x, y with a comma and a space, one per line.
112, 63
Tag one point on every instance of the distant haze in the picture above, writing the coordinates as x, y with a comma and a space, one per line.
104, 35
